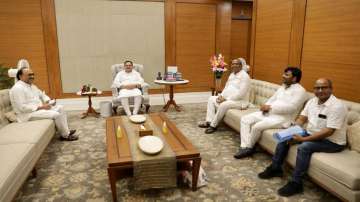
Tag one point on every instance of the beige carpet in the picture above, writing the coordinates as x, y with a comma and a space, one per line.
76, 171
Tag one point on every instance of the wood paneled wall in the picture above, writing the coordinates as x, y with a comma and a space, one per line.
194, 31
273, 28
21, 36
241, 30
322, 37
332, 45
195, 43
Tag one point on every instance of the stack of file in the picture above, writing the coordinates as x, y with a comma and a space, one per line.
288, 133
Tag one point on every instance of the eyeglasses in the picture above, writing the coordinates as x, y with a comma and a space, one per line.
321, 87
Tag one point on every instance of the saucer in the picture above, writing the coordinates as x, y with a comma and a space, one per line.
137, 118
150, 144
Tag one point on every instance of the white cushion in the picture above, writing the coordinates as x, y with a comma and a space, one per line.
353, 135
26, 132
16, 162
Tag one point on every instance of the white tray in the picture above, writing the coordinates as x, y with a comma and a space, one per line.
137, 118
150, 144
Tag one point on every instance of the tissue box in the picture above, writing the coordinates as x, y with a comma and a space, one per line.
145, 132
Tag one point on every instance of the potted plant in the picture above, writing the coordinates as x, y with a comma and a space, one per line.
5, 81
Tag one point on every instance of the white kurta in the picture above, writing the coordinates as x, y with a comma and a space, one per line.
123, 78
26, 99
237, 86
284, 106
236, 93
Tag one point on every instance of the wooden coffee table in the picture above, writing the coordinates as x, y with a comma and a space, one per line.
120, 163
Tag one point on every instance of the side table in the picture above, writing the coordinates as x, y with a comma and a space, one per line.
171, 84
90, 111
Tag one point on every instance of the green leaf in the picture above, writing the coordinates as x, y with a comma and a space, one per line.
5, 81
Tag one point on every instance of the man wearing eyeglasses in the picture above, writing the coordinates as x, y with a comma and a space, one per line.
325, 116
30, 103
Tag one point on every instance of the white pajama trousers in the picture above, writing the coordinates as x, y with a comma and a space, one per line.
137, 104
253, 124
215, 112
57, 114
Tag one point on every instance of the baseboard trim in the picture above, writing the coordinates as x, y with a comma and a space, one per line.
71, 104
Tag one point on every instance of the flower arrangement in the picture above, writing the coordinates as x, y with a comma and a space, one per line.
88, 89
218, 65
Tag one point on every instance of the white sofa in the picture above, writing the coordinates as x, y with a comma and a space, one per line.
338, 173
21, 145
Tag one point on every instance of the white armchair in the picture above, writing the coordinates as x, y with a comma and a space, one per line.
115, 91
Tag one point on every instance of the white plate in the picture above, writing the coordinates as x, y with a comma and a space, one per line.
137, 118
150, 144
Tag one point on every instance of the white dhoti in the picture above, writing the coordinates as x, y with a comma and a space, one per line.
253, 124
124, 96
216, 112
57, 114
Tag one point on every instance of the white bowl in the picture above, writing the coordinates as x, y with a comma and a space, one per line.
137, 118
150, 144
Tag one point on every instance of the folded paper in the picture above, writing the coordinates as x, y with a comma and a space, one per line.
288, 133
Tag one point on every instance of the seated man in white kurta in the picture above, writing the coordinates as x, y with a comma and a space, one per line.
278, 111
30, 103
234, 95
129, 82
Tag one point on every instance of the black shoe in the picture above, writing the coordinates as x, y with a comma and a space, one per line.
270, 172
204, 124
210, 130
70, 137
290, 189
244, 152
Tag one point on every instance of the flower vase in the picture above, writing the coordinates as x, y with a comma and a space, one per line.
217, 85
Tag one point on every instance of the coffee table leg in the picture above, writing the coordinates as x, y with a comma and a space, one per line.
112, 179
195, 172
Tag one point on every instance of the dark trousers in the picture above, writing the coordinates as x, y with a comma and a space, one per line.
304, 152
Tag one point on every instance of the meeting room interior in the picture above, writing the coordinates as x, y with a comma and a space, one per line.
179, 100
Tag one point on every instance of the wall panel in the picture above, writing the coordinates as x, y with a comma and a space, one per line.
195, 43
241, 30
21, 36
332, 45
273, 28
240, 39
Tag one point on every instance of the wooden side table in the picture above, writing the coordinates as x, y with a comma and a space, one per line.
90, 111
171, 84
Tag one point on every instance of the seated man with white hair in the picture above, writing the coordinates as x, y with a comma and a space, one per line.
129, 82
234, 95
30, 103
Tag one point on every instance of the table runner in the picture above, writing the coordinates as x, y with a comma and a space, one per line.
150, 171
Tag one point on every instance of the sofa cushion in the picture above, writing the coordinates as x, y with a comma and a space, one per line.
343, 167
15, 160
5, 106
26, 132
11, 116
353, 117
353, 135
233, 116
267, 141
